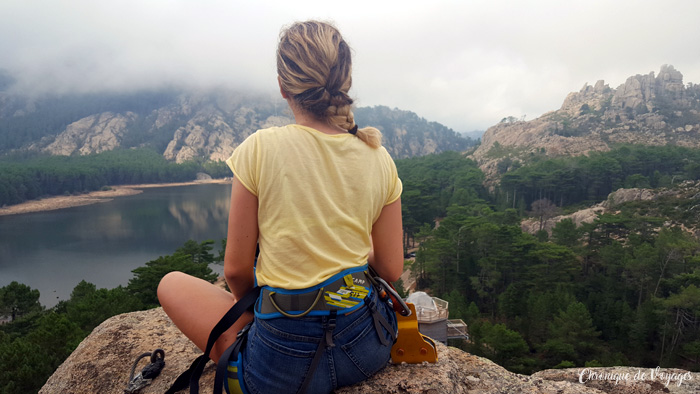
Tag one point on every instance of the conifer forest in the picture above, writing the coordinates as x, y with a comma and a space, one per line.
621, 289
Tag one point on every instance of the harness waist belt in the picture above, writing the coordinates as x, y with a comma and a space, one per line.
344, 292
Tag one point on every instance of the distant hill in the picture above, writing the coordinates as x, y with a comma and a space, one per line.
646, 109
405, 134
182, 125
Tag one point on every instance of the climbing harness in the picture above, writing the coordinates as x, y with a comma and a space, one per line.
148, 373
344, 293
341, 294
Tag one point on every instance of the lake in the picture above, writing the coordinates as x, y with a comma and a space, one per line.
101, 243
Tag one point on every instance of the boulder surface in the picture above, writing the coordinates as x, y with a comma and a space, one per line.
102, 364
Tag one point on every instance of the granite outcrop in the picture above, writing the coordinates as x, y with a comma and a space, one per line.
687, 190
647, 109
102, 363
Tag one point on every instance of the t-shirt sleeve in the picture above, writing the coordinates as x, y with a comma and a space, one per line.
395, 187
244, 162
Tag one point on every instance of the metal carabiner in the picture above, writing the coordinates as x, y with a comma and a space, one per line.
150, 371
395, 297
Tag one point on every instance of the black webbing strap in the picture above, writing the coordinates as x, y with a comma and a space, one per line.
194, 372
325, 342
380, 321
183, 381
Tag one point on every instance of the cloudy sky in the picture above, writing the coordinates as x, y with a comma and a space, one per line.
466, 64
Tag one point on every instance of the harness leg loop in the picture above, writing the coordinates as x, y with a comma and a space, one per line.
379, 322
325, 342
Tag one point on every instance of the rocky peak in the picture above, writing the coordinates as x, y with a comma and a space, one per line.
647, 90
639, 92
592, 96
646, 109
670, 82
102, 363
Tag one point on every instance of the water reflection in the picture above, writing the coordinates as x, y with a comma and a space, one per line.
198, 217
102, 243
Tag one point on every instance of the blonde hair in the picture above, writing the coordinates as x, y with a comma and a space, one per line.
314, 65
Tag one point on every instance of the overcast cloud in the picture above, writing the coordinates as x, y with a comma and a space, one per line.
465, 64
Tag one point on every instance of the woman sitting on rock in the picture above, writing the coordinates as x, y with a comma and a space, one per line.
322, 199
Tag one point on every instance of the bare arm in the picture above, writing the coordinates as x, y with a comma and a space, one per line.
241, 241
196, 306
386, 256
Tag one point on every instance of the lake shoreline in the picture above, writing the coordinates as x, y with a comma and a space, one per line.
62, 202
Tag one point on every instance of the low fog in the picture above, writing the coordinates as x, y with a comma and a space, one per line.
466, 65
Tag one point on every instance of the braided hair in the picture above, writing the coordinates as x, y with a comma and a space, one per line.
314, 65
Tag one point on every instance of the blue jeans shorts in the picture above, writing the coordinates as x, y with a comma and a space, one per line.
278, 352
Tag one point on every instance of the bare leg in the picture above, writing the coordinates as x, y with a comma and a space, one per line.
195, 306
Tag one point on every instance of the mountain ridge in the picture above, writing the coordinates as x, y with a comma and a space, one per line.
646, 109
184, 124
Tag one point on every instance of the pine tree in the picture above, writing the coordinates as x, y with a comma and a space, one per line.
573, 330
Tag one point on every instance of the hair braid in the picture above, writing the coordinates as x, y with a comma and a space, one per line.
314, 64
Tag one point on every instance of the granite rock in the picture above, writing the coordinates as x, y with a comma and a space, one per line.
647, 109
102, 363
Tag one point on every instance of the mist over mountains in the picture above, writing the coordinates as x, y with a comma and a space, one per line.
185, 124
182, 124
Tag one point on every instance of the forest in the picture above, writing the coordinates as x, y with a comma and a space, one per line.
28, 178
621, 290
589, 179
37, 340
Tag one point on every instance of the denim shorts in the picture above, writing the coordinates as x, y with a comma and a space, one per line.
279, 351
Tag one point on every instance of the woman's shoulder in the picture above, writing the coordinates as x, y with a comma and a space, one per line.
276, 131
382, 153
268, 130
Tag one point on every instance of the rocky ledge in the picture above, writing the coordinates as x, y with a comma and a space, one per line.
102, 363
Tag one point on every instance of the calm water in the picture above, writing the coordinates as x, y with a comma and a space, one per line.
101, 243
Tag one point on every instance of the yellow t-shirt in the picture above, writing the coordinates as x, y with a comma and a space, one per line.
318, 196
